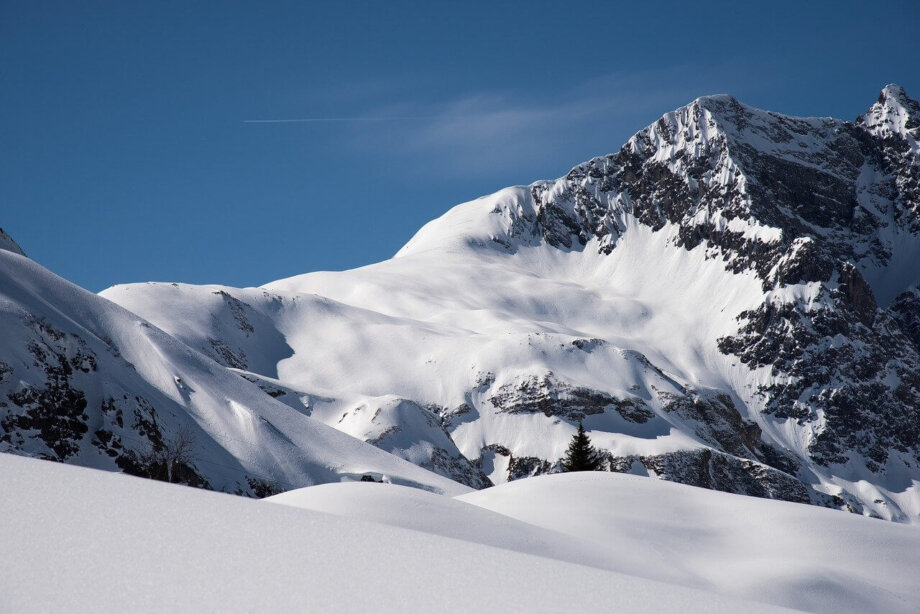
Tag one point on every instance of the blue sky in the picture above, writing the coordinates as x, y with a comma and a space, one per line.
126, 153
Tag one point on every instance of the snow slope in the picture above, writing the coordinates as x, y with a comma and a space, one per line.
79, 540
442, 338
778, 552
85, 381
774, 552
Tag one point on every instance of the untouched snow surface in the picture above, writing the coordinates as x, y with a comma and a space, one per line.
775, 552
80, 540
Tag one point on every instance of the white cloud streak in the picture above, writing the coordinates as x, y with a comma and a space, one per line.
546, 128
305, 120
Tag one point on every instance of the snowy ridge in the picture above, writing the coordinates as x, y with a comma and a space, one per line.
84, 381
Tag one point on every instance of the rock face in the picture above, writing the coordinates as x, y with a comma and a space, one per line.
718, 471
729, 300
56, 406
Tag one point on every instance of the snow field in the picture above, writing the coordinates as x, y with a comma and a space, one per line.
80, 540
774, 552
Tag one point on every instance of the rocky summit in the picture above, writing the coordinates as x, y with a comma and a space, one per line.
730, 300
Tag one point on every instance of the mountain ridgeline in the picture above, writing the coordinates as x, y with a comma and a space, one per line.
730, 301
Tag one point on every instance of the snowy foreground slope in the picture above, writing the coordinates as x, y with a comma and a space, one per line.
86, 382
80, 540
729, 301
773, 552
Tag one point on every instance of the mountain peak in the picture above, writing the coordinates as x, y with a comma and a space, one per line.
717, 99
894, 114
893, 91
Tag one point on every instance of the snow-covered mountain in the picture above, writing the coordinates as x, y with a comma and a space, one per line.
730, 301
84, 381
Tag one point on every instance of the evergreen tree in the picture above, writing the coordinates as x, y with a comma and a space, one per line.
581, 455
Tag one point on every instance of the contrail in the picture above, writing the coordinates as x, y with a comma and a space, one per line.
302, 120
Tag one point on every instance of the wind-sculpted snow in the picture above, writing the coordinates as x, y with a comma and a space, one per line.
768, 551
78, 540
721, 301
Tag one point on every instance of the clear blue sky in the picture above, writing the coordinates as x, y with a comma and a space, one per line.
125, 152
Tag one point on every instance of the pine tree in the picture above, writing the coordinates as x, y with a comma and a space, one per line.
581, 455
